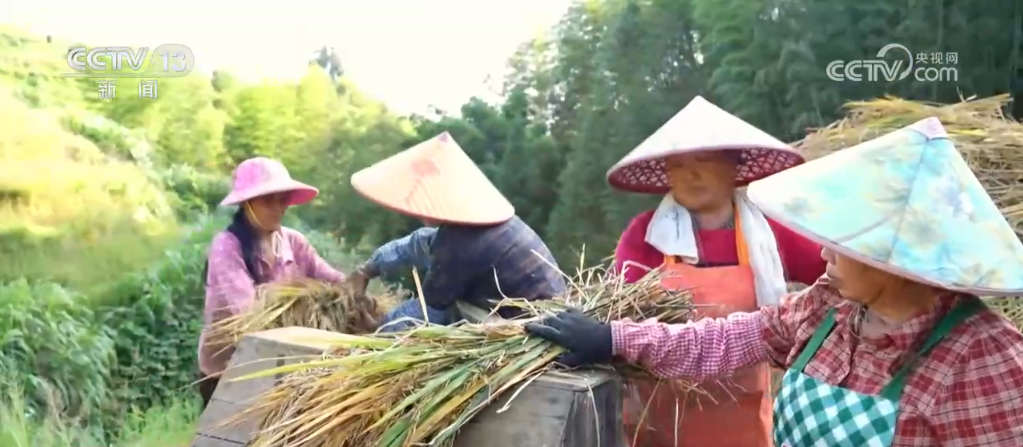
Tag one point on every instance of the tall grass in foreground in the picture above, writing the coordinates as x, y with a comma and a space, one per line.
421, 386
168, 426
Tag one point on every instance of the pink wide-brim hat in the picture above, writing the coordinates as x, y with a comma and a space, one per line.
261, 176
701, 126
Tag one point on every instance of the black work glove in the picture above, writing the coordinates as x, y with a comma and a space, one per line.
588, 341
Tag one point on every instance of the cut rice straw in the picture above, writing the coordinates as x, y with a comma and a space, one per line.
305, 303
991, 142
419, 295
419, 387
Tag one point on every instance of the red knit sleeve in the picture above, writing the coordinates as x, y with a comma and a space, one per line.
801, 257
634, 257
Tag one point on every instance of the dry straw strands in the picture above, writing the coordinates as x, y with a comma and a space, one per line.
419, 387
990, 142
305, 303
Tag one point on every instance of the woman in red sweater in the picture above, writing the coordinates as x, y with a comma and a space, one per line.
706, 237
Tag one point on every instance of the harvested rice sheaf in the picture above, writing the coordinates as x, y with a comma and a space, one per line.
990, 142
420, 386
305, 303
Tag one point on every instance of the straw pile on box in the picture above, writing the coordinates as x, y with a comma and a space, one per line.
419, 387
306, 303
991, 143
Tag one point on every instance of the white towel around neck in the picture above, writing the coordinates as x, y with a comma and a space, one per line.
672, 232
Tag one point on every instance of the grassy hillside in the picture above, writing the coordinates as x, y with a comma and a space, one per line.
70, 211
62, 199
105, 214
32, 66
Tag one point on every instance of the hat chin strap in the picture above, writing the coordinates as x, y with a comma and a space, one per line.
276, 238
276, 244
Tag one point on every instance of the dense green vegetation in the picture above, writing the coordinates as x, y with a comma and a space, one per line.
106, 206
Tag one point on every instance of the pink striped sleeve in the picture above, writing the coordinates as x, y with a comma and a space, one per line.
312, 265
698, 351
229, 288
229, 291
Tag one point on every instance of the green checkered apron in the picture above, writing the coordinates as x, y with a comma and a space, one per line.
812, 413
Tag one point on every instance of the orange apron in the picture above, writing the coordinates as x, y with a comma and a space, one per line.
735, 413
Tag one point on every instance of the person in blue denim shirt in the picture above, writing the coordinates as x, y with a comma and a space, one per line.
404, 253
393, 258
473, 248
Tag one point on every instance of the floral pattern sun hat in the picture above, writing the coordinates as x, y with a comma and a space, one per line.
906, 203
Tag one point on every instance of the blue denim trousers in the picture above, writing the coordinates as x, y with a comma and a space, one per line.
413, 309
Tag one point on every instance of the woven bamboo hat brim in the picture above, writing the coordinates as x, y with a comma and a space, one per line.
701, 126
434, 180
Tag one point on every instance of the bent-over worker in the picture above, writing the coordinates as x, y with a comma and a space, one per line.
892, 347
478, 250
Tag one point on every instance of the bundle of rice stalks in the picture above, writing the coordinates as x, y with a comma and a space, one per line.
990, 142
421, 386
306, 303
1011, 307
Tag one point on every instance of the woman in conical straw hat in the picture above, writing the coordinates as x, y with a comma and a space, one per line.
254, 249
706, 237
474, 246
892, 347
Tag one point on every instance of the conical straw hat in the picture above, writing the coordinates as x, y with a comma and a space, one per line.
434, 180
906, 203
701, 126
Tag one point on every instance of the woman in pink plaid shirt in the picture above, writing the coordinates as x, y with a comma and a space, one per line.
892, 347
253, 250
